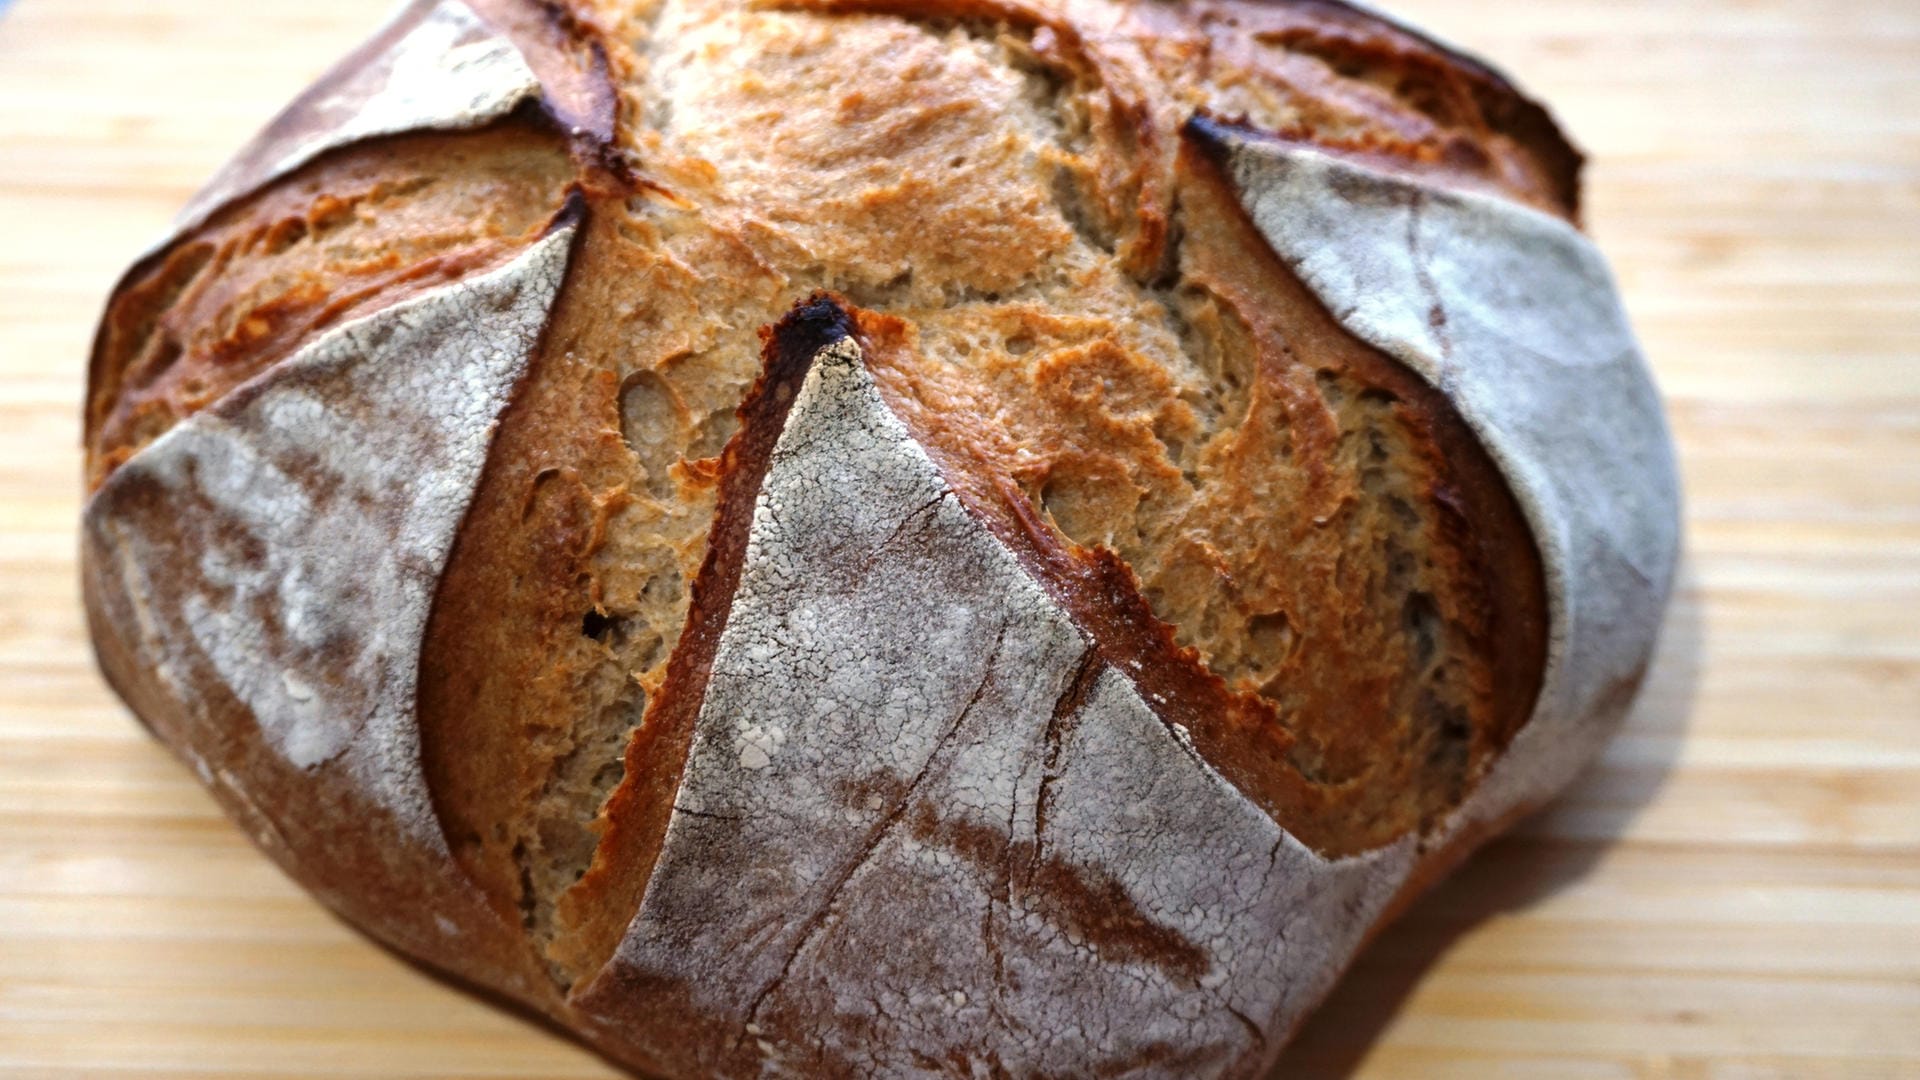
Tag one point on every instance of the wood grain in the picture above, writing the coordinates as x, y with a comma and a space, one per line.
1734, 893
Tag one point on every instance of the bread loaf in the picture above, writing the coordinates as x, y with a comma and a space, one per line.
882, 537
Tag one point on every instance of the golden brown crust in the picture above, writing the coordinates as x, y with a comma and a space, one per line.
781, 158
1326, 74
1334, 602
358, 231
1319, 72
1096, 587
1455, 641
522, 703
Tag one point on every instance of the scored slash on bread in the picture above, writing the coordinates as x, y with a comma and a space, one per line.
260, 578
1142, 550
921, 810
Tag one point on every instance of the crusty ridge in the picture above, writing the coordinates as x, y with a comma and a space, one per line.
360, 231
985, 852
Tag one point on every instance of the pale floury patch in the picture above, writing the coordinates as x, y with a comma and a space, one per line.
902, 820
316, 506
1513, 315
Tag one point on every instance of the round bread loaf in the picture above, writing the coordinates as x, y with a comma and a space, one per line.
882, 537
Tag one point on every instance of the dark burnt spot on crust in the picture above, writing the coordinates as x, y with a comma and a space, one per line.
571, 213
1211, 136
812, 325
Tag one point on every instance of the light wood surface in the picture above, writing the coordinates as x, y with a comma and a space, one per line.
1734, 892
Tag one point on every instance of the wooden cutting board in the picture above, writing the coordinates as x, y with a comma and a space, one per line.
1733, 893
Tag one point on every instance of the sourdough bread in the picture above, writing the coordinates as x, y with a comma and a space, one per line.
883, 537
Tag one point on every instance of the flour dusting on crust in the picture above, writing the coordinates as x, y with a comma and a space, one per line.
922, 821
315, 508
1513, 314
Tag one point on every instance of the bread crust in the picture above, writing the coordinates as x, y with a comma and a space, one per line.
1476, 539
1239, 362
1068, 885
313, 508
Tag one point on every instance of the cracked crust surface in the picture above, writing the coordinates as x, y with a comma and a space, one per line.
1315, 524
1164, 482
1034, 873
